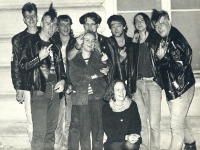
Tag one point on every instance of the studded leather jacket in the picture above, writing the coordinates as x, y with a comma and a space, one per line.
16, 50
175, 66
33, 78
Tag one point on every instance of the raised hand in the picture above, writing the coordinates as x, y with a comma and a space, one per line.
44, 52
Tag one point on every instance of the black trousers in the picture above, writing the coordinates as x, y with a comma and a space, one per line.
121, 146
86, 119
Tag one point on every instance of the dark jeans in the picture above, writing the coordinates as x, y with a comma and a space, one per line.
45, 110
86, 118
121, 146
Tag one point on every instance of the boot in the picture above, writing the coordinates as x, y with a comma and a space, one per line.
191, 146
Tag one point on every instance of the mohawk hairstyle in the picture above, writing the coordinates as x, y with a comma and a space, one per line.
51, 12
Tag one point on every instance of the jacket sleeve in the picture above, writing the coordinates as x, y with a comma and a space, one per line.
109, 125
28, 63
77, 76
181, 56
15, 72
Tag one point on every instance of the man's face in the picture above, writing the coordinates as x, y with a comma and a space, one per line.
88, 42
90, 25
48, 26
117, 28
140, 23
162, 26
64, 27
30, 19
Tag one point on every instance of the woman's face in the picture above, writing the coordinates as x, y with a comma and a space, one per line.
119, 91
140, 23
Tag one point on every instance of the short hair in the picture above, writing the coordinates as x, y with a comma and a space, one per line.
117, 18
156, 15
65, 18
146, 20
109, 95
94, 16
29, 7
51, 13
91, 32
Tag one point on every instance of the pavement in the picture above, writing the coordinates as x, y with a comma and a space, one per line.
13, 134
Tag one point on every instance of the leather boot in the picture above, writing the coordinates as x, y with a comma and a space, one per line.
191, 146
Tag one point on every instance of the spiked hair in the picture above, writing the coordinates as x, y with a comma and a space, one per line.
156, 15
51, 12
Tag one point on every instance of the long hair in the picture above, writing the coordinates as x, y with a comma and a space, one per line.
146, 20
109, 95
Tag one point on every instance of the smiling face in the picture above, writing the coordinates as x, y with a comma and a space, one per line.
88, 42
117, 28
90, 25
30, 18
140, 23
48, 26
162, 26
119, 91
64, 27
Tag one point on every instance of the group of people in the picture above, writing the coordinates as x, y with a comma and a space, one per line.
77, 89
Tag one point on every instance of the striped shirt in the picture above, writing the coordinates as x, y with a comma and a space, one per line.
90, 91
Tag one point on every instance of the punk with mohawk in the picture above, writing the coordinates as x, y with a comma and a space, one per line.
42, 61
51, 12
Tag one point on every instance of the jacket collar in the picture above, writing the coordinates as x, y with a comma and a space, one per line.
80, 62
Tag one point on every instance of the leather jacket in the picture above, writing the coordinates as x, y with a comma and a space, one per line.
151, 43
121, 69
16, 49
33, 78
56, 38
175, 66
105, 46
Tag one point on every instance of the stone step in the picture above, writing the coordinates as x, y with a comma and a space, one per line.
14, 135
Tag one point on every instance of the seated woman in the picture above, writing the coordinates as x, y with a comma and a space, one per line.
121, 120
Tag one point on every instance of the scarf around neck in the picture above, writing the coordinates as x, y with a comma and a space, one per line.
119, 108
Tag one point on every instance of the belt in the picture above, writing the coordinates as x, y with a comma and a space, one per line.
147, 79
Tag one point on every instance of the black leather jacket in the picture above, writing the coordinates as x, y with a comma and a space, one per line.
16, 49
70, 46
105, 46
151, 43
33, 79
175, 66
130, 70
121, 69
